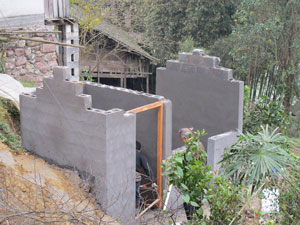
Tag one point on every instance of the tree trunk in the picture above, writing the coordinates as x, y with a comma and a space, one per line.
288, 94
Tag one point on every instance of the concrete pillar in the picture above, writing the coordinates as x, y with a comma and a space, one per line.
69, 56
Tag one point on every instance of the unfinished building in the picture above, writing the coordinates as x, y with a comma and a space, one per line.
93, 127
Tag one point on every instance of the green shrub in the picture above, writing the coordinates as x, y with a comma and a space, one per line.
187, 171
225, 200
254, 158
7, 137
262, 113
290, 197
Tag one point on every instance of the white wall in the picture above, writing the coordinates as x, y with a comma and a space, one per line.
13, 8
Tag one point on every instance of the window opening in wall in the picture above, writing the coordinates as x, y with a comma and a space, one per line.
159, 105
72, 41
72, 72
72, 28
72, 57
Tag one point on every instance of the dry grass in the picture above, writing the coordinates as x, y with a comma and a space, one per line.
34, 192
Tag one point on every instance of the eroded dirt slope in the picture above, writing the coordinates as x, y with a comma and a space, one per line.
34, 192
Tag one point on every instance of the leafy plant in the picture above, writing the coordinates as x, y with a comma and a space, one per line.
2, 59
290, 196
188, 172
256, 157
263, 48
7, 137
225, 200
264, 112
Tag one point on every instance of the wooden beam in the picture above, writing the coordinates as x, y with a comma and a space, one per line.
7, 38
4, 32
160, 117
145, 210
147, 107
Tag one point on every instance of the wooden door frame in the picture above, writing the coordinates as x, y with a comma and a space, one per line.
160, 118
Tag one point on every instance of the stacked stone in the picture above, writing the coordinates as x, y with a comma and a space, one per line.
30, 60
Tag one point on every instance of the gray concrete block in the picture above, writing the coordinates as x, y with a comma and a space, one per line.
216, 146
87, 126
203, 95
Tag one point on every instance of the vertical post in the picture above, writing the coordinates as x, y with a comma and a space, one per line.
121, 82
160, 115
125, 81
147, 83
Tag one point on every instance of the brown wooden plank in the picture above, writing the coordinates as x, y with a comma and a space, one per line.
160, 117
146, 107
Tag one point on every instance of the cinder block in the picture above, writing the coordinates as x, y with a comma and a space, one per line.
185, 57
87, 126
216, 146
203, 94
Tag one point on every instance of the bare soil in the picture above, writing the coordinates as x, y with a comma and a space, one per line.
34, 192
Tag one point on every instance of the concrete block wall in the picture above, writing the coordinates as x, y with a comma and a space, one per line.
204, 95
59, 123
108, 97
86, 126
216, 146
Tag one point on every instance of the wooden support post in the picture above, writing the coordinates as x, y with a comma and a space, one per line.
160, 118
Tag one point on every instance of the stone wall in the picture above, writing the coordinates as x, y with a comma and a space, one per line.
29, 60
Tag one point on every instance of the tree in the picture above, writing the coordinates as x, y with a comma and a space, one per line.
172, 22
264, 48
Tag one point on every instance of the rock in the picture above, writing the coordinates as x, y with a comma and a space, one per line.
38, 59
10, 45
9, 53
52, 63
9, 66
31, 57
21, 43
29, 66
39, 65
19, 51
43, 70
48, 57
49, 38
33, 43
23, 72
28, 52
21, 61
16, 73
11, 59
48, 48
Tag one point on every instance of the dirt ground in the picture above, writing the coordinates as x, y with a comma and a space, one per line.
34, 192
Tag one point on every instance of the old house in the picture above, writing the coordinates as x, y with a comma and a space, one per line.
114, 57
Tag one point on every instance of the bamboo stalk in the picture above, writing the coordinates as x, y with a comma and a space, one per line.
40, 40
145, 210
28, 32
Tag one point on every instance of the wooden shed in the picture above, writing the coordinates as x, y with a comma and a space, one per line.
113, 53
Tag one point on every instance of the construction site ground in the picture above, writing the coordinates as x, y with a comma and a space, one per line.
34, 192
